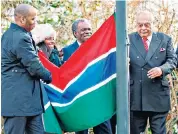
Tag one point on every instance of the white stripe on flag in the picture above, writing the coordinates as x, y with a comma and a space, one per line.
47, 105
88, 65
85, 92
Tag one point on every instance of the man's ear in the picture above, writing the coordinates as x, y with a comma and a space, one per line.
75, 33
22, 19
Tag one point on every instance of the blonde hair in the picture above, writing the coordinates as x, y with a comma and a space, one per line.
42, 31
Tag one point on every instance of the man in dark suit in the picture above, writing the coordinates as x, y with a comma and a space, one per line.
21, 72
151, 58
81, 29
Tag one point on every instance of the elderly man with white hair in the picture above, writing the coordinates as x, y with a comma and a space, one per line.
152, 58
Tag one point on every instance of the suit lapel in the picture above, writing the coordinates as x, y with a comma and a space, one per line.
76, 45
155, 42
139, 46
33, 42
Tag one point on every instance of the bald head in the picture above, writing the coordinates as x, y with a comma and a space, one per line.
25, 16
23, 10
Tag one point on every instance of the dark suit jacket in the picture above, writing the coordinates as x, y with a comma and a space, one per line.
69, 50
21, 72
150, 94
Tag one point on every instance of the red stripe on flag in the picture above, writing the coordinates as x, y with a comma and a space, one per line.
51, 67
101, 42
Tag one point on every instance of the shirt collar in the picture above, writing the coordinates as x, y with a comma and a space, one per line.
79, 43
149, 38
15, 26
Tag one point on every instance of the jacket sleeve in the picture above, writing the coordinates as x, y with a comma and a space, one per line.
27, 55
171, 59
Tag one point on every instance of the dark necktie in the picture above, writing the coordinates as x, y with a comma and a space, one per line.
145, 44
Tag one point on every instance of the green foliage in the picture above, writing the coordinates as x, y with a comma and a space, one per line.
59, 13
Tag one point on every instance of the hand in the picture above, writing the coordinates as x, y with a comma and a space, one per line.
48, 80
154, 72
61, 53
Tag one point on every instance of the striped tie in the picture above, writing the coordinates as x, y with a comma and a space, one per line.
145, 44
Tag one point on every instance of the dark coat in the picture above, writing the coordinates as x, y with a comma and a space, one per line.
54, 57
150, 94
69, 50
21, 72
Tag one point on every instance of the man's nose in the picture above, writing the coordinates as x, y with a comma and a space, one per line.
52, 41
88, 32
143, 27
35, 21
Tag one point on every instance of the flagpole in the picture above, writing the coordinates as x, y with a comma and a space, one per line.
122, 98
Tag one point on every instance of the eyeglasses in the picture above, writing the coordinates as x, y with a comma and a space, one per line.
147, 25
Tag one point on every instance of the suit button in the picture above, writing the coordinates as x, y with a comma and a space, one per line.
12, 70
140, 81
15, 70
156, 57
138, 57
142, 69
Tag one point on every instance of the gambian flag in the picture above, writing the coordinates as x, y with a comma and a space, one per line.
83, 90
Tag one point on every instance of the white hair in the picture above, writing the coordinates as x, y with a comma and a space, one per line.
145, 12
42, 31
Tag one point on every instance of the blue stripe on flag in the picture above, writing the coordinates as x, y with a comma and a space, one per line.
105, 68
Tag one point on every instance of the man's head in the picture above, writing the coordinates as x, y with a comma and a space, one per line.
82, 30
144, 23
25, 16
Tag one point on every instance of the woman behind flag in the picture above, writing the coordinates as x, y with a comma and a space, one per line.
45, 36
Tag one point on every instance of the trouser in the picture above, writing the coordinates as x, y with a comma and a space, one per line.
113, 124
103, 128
23, 124
157, 121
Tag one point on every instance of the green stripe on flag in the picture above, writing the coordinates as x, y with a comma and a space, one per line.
51, 124
86, 112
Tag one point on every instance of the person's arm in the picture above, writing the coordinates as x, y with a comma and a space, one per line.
26, 53
171, 59
169, 64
